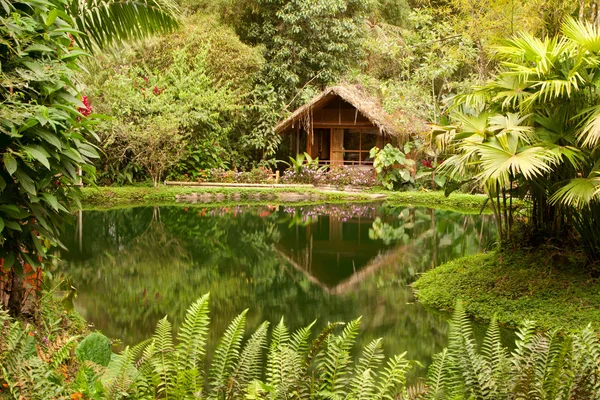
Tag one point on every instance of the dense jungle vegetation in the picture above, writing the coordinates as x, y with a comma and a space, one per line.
118, 92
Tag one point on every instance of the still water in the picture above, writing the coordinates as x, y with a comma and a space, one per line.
327, 262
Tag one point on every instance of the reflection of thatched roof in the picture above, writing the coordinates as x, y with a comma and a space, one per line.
360, 99
391, 257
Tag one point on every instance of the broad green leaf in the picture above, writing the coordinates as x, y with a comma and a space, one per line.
50, 199
13, 225
9, 260
37, 154
26, 182
48, 137
38, 47
1, 224
10, 163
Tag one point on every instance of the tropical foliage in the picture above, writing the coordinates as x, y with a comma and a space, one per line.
392, 166
541, 366
532, 131
45, 127
298, 364
294, 57
45, 121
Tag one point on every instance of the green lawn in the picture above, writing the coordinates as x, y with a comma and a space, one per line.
144, 195
554, 290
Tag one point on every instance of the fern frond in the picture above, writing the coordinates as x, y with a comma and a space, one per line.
192, 334
470, 371
226, 354
299, 340
162, 359
250, 361
61, 354
496, 358
191, 345
317, 344
336, 360
363, 386
121, 379
581, 378
393, 378
371, 358
439, 376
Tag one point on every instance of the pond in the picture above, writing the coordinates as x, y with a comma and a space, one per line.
327, 262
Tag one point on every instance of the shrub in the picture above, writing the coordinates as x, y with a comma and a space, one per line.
219, 175
306, 174
392, 166
343, 176
96, 348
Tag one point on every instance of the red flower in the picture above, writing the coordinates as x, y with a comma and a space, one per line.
157, 91
427, 163
87, 109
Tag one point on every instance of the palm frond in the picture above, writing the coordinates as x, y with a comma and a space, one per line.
579, 192
500, 161
583, 33
108, 22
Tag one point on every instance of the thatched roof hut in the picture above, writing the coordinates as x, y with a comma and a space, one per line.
342, 123
369, 106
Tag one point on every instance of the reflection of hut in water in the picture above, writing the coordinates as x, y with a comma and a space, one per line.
334, 252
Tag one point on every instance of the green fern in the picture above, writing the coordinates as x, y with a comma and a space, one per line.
249, 365
121, 379
226, 355
336, 359
162, 359
439, 376
191, 347
393, 379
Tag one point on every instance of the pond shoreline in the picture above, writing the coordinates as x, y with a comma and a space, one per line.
109, 197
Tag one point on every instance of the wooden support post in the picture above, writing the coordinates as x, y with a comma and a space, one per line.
79, 174
297, 140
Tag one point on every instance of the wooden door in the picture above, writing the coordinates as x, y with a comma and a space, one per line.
337, 147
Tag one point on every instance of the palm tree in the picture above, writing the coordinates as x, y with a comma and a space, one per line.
536, 126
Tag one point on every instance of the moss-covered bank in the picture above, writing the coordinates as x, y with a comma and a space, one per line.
460, 202
554, 290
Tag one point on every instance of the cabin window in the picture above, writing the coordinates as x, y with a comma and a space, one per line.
357, 145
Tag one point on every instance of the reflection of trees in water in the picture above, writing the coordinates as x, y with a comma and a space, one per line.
134, 269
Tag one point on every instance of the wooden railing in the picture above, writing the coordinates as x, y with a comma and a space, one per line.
346, 162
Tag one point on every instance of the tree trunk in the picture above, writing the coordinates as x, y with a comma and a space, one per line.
18, 293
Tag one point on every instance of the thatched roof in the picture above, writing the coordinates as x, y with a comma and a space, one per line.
360, 99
